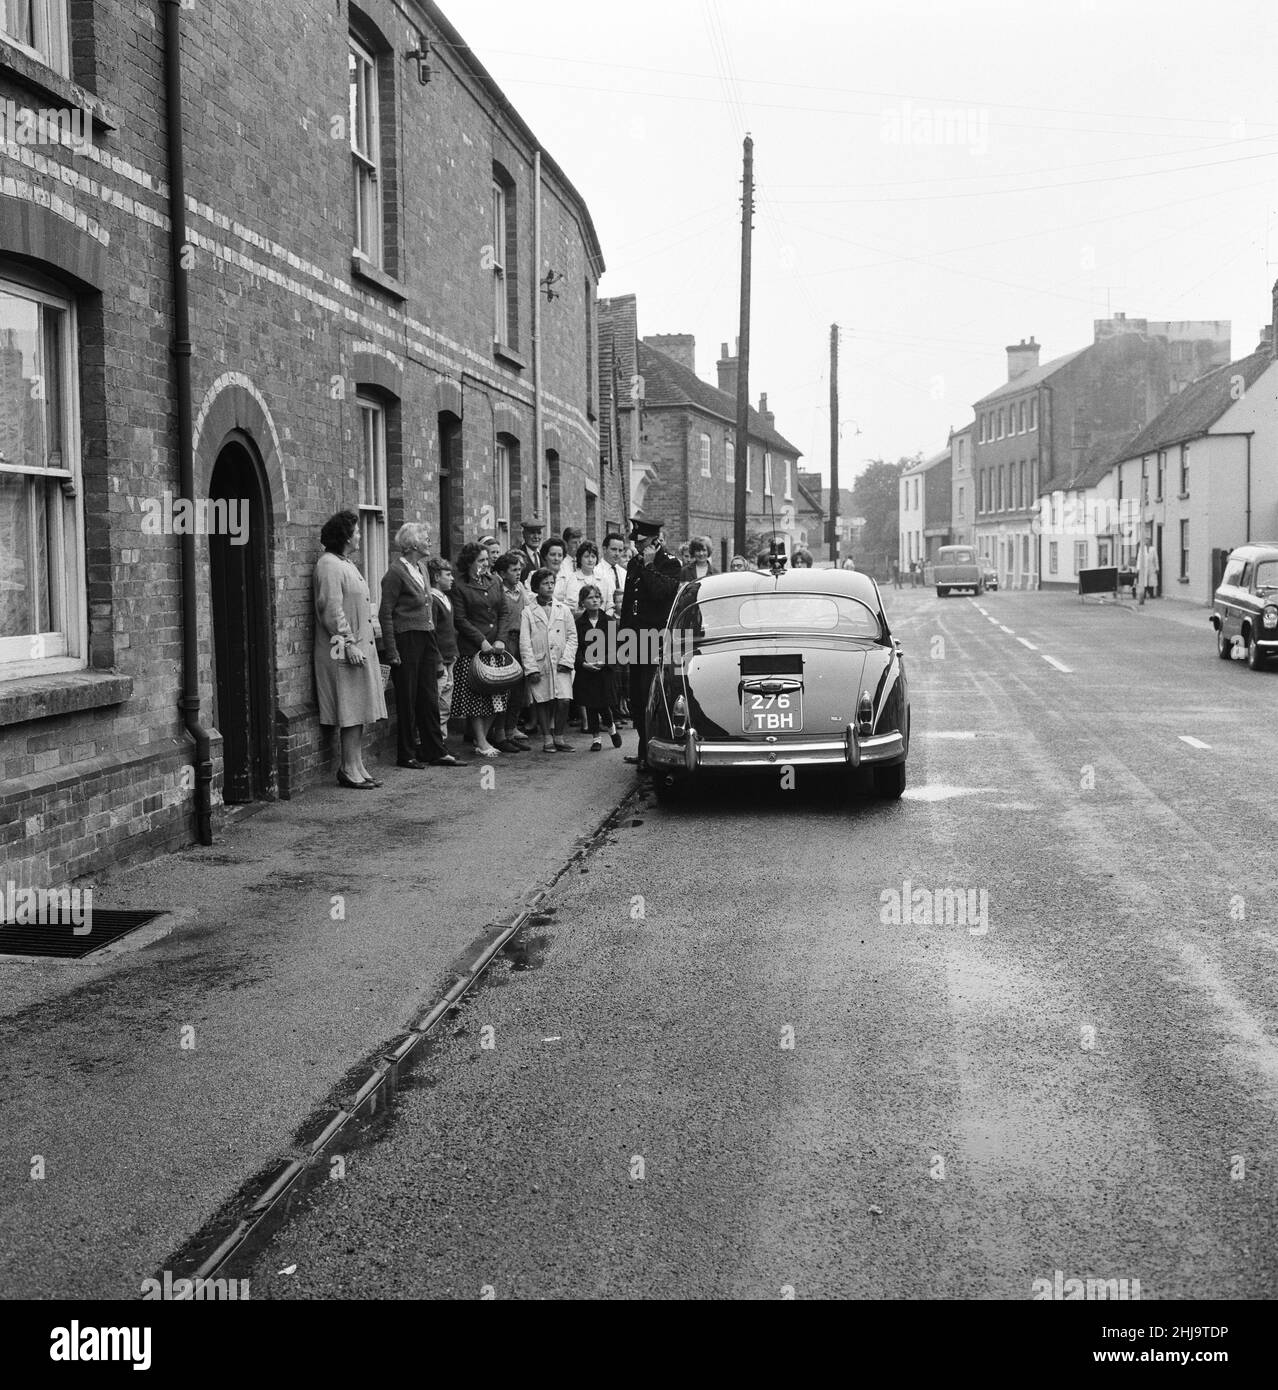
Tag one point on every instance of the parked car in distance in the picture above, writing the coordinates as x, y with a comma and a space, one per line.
765, 671
990, 579
956, 567
1245, 606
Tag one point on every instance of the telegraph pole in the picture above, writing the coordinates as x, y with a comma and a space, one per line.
833, 537
743, 354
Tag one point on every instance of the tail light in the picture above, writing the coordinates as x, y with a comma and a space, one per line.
679, 717
865, 714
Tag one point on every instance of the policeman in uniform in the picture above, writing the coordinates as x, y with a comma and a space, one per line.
652, 580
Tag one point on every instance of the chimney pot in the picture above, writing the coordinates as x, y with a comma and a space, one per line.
1022, 357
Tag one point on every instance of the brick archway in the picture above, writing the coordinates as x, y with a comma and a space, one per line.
233, 403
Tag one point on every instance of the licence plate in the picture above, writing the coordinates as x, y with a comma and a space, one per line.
772, 714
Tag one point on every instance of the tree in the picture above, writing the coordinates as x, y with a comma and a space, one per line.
876, 495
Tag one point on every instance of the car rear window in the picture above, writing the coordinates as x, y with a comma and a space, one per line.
956, 557
743, 614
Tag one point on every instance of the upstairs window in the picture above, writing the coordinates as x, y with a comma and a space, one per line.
40, 28
767, 474
730, 461
704, 443
366, 153
1033, 413
501, 317
1184, 470
789, 495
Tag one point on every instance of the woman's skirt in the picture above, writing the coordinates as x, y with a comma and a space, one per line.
469, 702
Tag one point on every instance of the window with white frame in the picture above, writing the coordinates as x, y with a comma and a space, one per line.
1053, 556
1184, 549
366, 153
1001, 420
705, 455
730, 461
501, 464
372, 490
41, 546
980, 429
749, 489
1104, 551
1023, 426
501, 322
767, 474
1080, 556
962, 509
789, 494
1033, 420
39, 27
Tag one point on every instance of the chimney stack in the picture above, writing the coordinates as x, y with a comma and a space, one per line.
1022, 357
765, 412
727, 368
681, 346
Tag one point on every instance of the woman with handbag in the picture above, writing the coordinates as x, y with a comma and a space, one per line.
348, 679
548, 649
515, 598
476, 616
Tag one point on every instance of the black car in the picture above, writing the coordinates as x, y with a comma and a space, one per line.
1245, 606
764, 671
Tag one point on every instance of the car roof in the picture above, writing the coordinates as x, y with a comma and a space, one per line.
1255, 550
851, 583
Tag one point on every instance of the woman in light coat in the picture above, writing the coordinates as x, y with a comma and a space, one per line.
348, 680
548, 650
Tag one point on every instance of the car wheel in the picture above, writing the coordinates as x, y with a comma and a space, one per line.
941, 593
889, 782
1256, 659
1224, 646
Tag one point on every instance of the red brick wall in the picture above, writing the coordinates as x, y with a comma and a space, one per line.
276, 317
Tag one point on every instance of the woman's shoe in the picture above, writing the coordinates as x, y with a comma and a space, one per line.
562, 747
411, 762
487, 753
616, 739
372, 782
344, 781
446, 761
508, 746
521, 743
595, 745
548, 748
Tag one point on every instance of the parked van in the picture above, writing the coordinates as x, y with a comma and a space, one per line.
956, 567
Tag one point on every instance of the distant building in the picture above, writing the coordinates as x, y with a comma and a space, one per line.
924, 509
1199, 479
962, 488
688, 447
1049, 425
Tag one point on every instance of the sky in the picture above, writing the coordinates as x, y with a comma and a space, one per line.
937, 177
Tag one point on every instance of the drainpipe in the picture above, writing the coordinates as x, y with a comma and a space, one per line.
536, 343
190, 700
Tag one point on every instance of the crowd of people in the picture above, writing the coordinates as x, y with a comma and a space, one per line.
514, 644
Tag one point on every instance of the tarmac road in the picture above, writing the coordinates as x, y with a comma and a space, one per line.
720, 1069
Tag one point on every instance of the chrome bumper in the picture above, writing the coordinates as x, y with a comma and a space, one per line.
849, 751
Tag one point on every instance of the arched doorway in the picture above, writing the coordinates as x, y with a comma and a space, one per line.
243, 631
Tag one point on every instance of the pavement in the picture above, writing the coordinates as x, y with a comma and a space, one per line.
142, 1089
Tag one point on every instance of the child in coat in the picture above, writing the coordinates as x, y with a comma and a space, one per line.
595, 687
548, 650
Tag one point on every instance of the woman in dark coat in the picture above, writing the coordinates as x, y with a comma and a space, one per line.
477, 610
597, 686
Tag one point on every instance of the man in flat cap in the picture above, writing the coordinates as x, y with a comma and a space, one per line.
652, 580
530, 551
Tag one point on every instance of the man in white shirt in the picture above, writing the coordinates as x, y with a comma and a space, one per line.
612, 564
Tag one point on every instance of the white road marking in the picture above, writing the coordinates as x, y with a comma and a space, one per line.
1025, 643
990, 618
1007, 630
979, 609
1194, 742
939, 792
1052, 661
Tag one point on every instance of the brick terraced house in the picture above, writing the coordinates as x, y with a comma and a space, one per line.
325, 280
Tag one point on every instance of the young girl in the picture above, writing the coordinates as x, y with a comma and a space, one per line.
548, 649
596, 684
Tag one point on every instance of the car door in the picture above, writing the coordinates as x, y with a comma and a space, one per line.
1227, 599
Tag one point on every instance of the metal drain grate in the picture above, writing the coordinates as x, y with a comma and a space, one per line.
59, 938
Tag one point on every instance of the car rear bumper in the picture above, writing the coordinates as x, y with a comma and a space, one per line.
850, 750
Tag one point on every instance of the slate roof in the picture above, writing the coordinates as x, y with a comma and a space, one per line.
1031, 378
927, 464
669, 383
1194, 410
